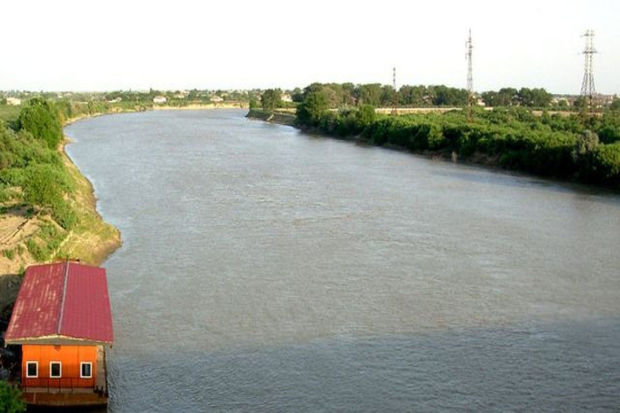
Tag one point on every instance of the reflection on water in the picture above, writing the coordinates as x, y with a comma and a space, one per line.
263, 269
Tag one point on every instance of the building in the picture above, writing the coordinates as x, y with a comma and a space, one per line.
159, 99
285, 97
62, 321
216, 99
13, 101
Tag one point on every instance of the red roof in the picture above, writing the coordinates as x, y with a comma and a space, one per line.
64, 300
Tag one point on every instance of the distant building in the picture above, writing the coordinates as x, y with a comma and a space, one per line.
285, 97
13, 101
159, 99
115, 100
216, 99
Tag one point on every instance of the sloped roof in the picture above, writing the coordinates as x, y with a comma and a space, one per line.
64, 301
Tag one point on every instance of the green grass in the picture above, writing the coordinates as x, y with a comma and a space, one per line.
9, 113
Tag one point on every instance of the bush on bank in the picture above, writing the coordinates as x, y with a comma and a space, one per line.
513, 138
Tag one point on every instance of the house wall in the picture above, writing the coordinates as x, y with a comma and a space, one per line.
69, 356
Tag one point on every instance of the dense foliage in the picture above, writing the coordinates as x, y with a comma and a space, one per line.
10, 399
32, 172
271, 99
569, 147
342, 95
513, 97
40, 118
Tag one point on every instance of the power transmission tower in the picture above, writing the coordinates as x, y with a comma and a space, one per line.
395, 99
587, 85
470, 76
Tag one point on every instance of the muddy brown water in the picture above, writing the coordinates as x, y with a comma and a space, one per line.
264, 269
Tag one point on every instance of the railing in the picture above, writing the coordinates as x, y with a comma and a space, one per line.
63, 384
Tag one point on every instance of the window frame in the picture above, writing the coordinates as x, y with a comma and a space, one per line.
59, 369
90, 364
36, 364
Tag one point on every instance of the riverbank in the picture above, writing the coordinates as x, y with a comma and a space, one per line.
282, 118
237, 105
28, 237
557, 147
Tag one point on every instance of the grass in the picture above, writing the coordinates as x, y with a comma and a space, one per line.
9, 113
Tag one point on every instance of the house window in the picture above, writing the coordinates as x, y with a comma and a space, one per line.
32, 369
55, 369
86, 370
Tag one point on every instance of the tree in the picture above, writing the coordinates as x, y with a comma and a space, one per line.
507, 96
315, 104
389, 96
534, 97
365, 115
271, 99
41, 119
412, 95
297, 95
41, 186
370, 94
587, 141
10, 399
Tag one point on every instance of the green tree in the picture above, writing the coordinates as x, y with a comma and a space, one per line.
10, 399
366, 115
587, 141
41, 186
41, 119
370, 94
315, 104
271, 99
507, 96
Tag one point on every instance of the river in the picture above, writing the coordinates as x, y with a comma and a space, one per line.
264, 269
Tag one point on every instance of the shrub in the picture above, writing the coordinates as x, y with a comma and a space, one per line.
41, 119
10, 398
37, 252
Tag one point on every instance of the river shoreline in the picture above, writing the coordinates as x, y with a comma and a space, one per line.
92, 241
475, 159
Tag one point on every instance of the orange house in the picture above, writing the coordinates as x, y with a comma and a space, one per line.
63, 322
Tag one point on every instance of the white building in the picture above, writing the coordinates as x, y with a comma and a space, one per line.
216, 99
159, 100
13, 101
285, 97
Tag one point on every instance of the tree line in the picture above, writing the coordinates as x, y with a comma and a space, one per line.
342, 95
580, 147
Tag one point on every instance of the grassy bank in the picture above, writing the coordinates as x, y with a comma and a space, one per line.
48, 209
283, 118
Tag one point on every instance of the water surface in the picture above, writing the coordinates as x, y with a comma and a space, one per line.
264, 269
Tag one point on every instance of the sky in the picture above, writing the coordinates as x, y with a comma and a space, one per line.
110, 45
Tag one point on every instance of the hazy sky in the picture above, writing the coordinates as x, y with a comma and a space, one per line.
178, 44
